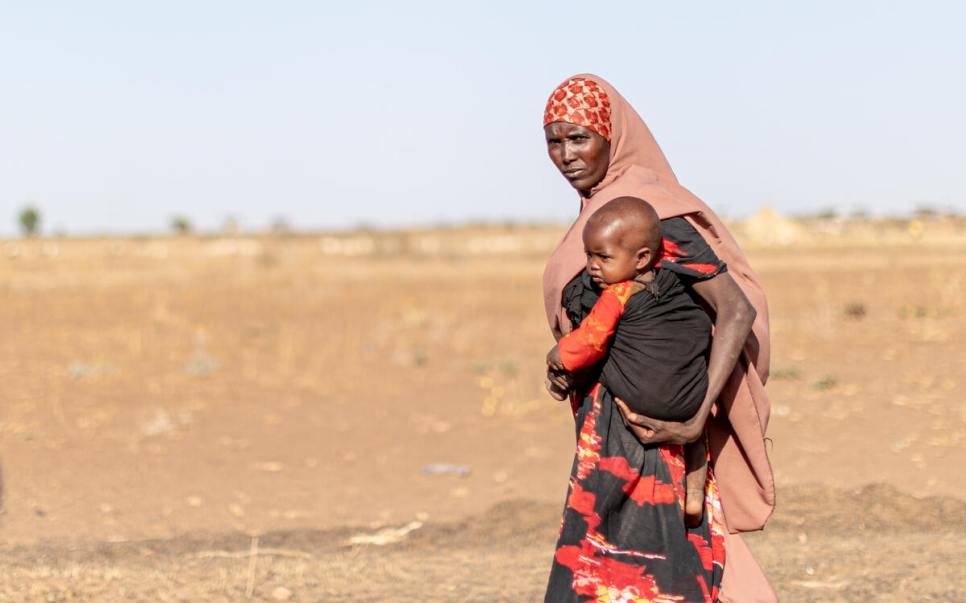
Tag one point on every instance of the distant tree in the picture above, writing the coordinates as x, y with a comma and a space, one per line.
180, 225
232, 226
280, 225
30, 221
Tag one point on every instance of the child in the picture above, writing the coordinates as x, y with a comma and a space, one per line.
656, 334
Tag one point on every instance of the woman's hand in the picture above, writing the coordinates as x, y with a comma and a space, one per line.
654, 431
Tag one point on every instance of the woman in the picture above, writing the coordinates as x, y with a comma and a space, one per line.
609, 547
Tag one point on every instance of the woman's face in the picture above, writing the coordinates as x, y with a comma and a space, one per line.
581, 154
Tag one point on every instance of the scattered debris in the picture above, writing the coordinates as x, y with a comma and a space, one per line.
386, 535
158, 424
445, 469
854, 311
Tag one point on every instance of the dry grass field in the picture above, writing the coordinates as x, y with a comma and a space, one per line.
258, 418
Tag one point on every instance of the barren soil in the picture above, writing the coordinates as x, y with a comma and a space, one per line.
225, 420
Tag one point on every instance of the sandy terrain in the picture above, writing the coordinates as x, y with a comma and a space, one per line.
224, 419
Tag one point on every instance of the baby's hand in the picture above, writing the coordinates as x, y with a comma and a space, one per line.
555, 392
553, 359
558, 379
557, 384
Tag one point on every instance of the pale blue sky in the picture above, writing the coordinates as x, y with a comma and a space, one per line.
115, 116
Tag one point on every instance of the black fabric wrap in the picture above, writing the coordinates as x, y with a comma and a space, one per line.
657, 359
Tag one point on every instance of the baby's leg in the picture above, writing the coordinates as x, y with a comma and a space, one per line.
696, 466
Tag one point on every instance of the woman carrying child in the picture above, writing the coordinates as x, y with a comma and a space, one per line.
657, 365
623, 535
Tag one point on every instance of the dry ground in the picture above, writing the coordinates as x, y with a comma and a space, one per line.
217, 420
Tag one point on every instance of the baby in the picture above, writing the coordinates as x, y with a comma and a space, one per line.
650, 334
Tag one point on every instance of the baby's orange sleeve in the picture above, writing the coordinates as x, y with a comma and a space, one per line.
587, 344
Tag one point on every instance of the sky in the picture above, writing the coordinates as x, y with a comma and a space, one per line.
116, 117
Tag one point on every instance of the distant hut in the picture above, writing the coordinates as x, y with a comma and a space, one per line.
768, 227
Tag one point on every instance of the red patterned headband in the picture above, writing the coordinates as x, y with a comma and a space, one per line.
581, 102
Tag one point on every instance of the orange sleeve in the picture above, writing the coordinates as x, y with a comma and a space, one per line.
587, 344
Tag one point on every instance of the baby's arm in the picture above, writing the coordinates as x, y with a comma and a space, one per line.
587, 344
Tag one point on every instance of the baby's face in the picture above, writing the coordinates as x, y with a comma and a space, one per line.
608, 261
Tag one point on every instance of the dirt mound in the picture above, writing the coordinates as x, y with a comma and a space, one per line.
876, 508
866, 544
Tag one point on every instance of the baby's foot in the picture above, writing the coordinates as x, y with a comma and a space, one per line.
694, 508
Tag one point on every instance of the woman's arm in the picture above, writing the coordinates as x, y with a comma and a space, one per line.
733, 316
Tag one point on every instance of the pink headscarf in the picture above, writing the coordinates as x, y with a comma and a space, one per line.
736, 428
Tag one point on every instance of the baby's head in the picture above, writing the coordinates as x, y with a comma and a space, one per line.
622, 240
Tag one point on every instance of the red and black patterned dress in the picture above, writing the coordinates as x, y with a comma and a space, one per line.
622, 536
